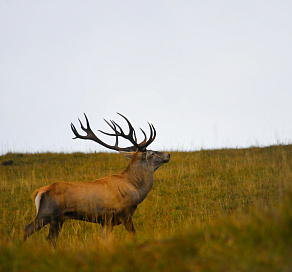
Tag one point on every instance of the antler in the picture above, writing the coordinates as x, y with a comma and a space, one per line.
118, 132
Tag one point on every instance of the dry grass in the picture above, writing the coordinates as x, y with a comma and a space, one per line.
217, 208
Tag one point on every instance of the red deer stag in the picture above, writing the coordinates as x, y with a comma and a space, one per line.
109, 201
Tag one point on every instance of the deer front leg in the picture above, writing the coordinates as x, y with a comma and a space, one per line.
107, 226
128, 224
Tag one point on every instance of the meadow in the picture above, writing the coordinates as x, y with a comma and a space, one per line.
209, 210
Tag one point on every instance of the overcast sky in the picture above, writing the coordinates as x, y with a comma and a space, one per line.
207, 74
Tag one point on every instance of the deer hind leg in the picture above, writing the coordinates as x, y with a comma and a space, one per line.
34, 226
55, 228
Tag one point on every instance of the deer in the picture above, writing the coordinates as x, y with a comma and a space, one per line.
109, 201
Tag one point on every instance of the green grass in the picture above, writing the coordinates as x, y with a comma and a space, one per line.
217, 210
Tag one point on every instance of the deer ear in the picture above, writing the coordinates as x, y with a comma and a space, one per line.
126, 154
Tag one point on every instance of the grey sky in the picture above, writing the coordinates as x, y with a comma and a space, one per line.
207, 74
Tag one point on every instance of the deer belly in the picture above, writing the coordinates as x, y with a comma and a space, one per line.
95, 207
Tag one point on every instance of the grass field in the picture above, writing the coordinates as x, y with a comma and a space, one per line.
217, 210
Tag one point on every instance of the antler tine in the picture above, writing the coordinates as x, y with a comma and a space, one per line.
151, 133
77, 135
154, 133
132, 133
154, 136
131, 129
114, 128
145, 137
135, 137
151, 138
121, 132
87, 122
74, 131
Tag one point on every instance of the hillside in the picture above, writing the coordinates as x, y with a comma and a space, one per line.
210, 210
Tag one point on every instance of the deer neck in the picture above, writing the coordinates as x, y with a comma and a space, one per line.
141, 176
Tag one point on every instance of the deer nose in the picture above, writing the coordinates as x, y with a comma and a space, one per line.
167, 158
